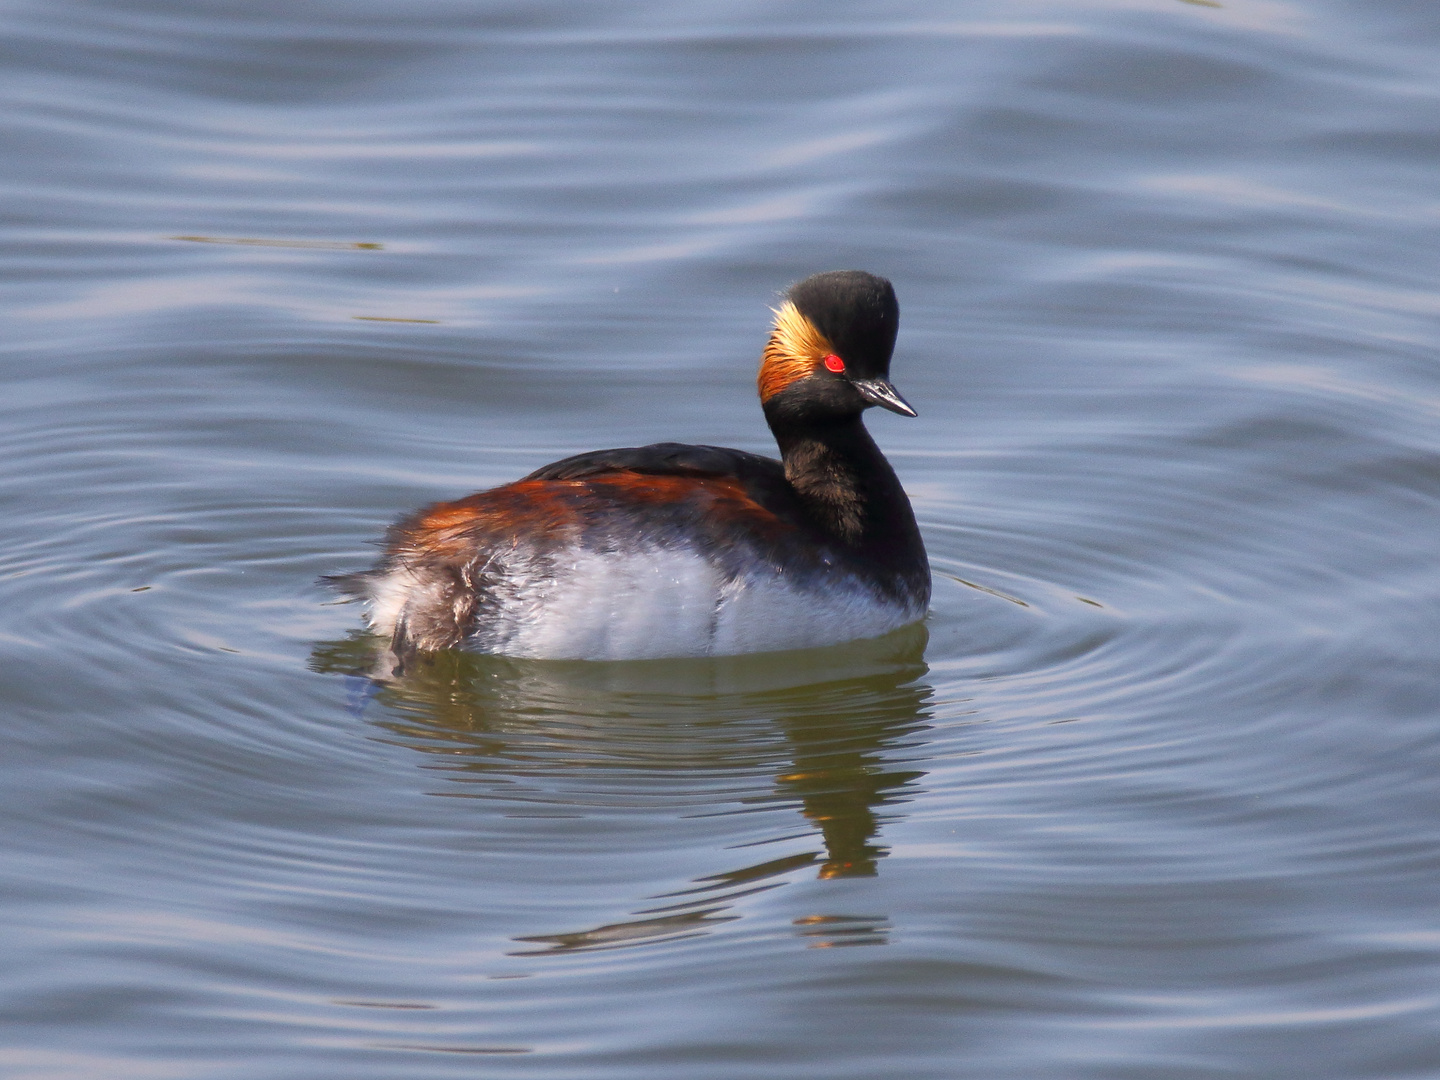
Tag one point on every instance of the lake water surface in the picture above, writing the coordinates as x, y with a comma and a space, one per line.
1153, 793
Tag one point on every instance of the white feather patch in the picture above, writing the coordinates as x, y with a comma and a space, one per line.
653, 603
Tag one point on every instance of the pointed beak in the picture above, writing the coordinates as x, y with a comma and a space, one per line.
880, 392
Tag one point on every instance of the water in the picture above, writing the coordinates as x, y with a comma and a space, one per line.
1151, 796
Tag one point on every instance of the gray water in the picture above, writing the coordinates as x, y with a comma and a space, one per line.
1152, 795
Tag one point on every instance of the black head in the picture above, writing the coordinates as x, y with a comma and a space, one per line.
857, 313
829, 355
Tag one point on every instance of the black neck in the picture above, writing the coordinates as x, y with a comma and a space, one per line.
849, 489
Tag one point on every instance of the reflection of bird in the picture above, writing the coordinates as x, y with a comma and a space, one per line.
674, 550
838, 735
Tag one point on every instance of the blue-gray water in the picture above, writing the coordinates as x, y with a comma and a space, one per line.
1158, 801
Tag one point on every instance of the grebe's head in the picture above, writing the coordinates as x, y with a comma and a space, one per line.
829, 355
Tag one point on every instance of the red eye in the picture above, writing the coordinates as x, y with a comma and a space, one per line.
834, 363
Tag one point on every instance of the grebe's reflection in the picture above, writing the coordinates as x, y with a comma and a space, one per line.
834, 732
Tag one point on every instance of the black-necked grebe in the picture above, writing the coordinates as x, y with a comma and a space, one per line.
675, 550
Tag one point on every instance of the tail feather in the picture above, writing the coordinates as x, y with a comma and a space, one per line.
355, 586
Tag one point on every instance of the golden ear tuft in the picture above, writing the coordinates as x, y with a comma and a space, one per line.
794, 351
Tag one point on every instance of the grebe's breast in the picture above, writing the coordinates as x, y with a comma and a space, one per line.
651, 552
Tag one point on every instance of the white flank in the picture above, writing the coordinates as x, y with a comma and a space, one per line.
655, 603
